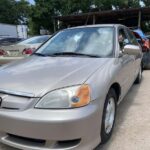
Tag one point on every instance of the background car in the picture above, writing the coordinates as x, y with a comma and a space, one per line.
142, 39
21, 49
9, 40
145, 44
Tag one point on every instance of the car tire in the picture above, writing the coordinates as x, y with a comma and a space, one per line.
106, 130
147, 67
139, 77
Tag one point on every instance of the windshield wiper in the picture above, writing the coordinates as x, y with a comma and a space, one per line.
73, 54
40, 54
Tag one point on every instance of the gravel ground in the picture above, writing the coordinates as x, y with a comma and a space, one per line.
132, 129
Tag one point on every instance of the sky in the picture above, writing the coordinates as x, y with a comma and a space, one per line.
31, 1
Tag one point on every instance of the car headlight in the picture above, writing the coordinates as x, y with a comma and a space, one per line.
71, 97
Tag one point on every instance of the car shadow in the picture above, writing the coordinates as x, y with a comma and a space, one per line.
122, 110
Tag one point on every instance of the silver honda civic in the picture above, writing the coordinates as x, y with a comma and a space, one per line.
65, 95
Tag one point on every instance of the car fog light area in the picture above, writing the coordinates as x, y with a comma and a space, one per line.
71, 97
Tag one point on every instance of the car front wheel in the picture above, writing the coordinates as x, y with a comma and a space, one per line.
109, 115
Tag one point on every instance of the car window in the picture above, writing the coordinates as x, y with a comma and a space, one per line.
9, 40
13, 40
122, 38
132, 37
93, 41
35, 40
4, 41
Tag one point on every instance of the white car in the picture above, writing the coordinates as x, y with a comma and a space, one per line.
21, 49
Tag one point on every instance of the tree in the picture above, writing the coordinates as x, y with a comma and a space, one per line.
42, 13
23, 11
14, 12
74, 6
147, 2
117, 4
7, 11
44, 10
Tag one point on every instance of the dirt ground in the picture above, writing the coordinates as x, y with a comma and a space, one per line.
132, 129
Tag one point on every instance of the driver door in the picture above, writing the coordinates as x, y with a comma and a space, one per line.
126, 62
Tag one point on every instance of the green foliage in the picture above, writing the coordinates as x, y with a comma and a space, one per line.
147, 2
23, 11
6, 9
42, 14
73, 6
14, 12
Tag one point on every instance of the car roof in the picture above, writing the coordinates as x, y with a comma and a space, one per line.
98, 25
42, 36
11, 38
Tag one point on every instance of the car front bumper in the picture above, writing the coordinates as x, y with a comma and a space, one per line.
20, 128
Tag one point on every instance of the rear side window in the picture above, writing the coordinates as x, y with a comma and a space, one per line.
35, 40
132, 38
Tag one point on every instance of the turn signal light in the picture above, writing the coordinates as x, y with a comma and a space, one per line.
82, 96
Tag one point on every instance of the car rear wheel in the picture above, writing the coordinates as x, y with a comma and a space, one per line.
109, 115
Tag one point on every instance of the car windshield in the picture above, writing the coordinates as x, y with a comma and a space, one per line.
96, 41
35, 40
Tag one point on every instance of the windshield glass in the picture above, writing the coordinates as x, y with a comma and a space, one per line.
89, 40
35, 40
8, 41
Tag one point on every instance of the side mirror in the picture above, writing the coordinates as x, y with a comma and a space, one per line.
131, 50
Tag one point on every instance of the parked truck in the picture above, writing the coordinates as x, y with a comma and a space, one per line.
8, 30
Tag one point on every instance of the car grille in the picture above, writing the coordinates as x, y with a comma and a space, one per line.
13, 102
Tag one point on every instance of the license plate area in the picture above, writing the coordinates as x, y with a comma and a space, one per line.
13, 53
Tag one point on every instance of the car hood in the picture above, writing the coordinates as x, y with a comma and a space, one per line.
39, 75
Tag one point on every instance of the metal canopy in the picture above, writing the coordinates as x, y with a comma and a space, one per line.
129, 17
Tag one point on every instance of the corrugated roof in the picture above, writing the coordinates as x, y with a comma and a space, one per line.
127, 17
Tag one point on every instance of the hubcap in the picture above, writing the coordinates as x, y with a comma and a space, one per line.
110, 115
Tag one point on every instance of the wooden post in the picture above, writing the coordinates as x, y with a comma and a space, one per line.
139, 19
58, 24
54, 23
94, 19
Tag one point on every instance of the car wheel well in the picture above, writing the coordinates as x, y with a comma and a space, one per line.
117, 89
